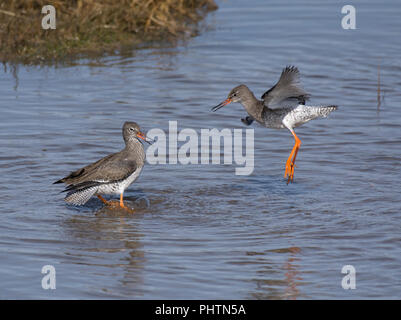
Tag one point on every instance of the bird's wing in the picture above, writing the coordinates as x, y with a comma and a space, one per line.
287, 89
80, 174
80, 192
102, 171
111, 171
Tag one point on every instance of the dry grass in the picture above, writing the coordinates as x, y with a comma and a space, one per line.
92, 26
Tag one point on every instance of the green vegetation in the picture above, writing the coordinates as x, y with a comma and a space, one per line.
93, 27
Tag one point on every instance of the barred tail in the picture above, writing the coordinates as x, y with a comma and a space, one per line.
80, 197
324, 111
79, 194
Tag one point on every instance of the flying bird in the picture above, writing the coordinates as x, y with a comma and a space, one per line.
282, 106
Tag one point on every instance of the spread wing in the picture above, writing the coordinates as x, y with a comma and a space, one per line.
288, 89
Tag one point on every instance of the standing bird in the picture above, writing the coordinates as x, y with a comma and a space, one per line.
277, 109
110, 175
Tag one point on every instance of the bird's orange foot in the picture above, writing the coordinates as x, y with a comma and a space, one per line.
118, 205
113, 203
290, 165
289, 171
129, 210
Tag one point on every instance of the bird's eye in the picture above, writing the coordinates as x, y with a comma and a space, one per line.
131, 129
234, 94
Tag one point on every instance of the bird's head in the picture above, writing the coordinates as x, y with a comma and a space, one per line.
132, 131
236, 95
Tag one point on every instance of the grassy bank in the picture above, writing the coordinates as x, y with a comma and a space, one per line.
93, 27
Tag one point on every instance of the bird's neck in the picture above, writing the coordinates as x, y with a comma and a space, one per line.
135, 148
253, 106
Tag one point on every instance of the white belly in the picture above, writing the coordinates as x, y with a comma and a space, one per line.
119, 187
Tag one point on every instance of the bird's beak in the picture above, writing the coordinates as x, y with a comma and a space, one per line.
142, 136
220, 105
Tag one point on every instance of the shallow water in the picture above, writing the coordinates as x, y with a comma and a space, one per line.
200, 231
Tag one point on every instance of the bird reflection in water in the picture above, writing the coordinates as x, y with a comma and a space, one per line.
292, 274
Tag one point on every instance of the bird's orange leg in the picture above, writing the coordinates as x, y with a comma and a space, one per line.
108, 203
290, 164
121, 200
103, 199
123, 206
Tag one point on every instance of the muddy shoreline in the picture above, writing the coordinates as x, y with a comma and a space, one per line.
93, 28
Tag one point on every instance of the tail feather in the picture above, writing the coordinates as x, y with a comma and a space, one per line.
302, 114
326, 110
79, 194
80, 197
71, 176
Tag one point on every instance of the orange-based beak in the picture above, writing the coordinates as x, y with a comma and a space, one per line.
220, 105
142, 136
